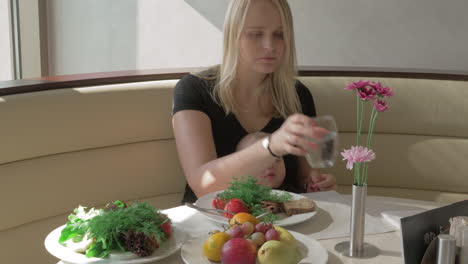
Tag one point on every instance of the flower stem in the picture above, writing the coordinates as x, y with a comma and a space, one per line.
364, 173
371, 127
360, 113
369, 141
359, 120
357, 170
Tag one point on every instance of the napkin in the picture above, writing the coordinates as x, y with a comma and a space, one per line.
333, 218
393, 217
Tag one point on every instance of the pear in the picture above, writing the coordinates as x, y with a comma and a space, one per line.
286, 237
277, 252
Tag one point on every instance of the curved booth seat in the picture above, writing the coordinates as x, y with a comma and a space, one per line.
66, 142
82, 146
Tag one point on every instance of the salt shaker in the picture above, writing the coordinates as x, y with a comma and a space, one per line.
463, 244
446, 249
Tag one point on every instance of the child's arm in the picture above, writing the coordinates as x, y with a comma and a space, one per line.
312, 179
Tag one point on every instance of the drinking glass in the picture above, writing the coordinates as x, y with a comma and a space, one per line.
323, 153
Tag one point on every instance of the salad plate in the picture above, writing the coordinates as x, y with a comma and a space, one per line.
310, 249
59, 251
206, 200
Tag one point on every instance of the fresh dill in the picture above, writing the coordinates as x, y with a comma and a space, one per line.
253, 194
107, 226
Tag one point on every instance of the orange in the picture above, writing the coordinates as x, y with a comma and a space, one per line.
214, 244
240, 218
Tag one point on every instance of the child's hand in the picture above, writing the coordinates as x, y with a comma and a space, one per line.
321, 182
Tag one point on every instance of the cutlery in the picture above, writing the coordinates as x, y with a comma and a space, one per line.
216, 211
208, 210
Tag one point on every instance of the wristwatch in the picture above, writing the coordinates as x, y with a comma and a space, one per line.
266, 144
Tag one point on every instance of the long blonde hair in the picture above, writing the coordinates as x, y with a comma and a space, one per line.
281, 83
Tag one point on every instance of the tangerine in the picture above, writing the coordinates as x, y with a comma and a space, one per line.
214, 244
240, 218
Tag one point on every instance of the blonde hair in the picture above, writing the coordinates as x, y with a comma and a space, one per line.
281, 83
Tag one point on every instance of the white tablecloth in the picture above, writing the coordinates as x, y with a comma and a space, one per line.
330, 225
331, 221
333, 218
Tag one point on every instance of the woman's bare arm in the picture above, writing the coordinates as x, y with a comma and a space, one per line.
204, 171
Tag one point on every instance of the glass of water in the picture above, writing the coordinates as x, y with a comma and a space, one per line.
323, 153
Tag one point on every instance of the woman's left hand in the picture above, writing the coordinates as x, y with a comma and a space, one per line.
321, 182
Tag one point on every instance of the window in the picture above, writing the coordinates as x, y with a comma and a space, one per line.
68, 36
6, 66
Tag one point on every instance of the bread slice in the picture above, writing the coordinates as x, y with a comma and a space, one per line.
273, 207
300, 206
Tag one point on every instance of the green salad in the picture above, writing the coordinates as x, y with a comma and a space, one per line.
253, 194
138, 228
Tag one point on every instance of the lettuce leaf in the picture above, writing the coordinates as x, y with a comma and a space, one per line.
78, 224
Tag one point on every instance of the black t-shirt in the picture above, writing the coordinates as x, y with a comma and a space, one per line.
194, 93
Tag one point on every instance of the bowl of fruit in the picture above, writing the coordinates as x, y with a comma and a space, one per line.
246, 195
248, 241
118, 233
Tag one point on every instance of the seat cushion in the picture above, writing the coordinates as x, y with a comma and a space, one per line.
55, 184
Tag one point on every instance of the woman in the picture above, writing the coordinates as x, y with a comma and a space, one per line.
254, 89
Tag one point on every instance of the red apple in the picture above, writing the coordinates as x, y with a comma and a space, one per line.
238, 250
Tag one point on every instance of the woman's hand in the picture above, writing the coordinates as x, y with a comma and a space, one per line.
291, 137
321, 182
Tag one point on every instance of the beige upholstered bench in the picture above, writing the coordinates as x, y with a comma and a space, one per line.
92, 139
421, 142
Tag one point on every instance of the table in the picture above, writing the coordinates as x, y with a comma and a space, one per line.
327, 227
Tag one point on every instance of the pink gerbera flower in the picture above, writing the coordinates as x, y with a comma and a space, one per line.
380, 90
380, 105
357, 85
366, 94
357, 154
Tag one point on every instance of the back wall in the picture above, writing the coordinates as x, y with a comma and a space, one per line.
88, 36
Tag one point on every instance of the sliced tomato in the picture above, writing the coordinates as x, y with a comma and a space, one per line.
218, 203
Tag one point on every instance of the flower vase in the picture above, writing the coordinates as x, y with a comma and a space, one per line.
356, 247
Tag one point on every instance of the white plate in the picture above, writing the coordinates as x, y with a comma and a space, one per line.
206, 200
311, 250
56, 249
